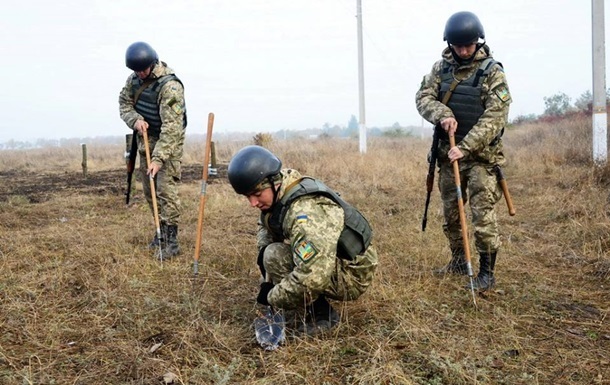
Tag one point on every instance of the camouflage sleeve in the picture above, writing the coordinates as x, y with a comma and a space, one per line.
497, 99
171, 110
263, 238
314, 225
426, 99
126, 109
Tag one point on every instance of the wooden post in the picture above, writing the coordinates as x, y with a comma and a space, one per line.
84, 161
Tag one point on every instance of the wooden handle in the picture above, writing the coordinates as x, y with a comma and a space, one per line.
466, 243
458, 186
202, 197
507, 197
153, 194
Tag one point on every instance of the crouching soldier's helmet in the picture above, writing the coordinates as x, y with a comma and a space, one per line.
251, 167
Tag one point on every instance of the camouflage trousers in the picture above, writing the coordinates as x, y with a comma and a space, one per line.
166, 187
349, 281
479, 187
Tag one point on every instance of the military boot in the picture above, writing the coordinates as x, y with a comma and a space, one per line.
171, 248
457, 264
320, 318
485, 279
156, 242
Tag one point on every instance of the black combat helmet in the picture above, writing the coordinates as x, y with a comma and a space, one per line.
250, 166
140, 56
463, 28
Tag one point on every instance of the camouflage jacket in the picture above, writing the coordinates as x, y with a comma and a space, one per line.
312, 227
495, 98
169, 145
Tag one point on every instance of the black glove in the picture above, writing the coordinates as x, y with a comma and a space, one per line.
262, 294
259, 261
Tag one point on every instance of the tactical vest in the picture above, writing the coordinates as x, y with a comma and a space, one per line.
356, 235
147, 104
465, 101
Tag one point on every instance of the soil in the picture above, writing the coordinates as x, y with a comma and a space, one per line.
37, 188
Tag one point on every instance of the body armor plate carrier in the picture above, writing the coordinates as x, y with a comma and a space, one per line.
356, 235
147, 104
465, 101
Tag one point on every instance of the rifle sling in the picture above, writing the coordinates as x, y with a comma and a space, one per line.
450, 91
144, 85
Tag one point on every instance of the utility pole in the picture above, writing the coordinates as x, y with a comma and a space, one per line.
600, 117
362, 119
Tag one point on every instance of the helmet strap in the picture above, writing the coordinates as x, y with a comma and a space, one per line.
275, 190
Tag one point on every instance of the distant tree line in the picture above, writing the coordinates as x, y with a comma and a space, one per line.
352, 130
559, 105
63, 142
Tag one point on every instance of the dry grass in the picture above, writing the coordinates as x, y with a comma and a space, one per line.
83, 302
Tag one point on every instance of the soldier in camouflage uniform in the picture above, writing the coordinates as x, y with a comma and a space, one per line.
466, 95
152, 100
312, 245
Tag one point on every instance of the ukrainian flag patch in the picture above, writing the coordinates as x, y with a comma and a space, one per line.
305, 250
502, 93
177, 107
302, 218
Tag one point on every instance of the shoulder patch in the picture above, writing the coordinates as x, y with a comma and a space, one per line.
173, 103
302, 218
177, 108
305, 250
502, 93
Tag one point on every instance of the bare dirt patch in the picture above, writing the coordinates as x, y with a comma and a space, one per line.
39, 187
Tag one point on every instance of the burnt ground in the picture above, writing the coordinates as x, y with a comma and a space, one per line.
38, 188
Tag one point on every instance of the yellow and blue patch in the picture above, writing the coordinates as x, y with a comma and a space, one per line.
502, 93
177, 107
302, 218
305, 250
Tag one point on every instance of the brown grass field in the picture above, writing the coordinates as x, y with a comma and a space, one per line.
82, 301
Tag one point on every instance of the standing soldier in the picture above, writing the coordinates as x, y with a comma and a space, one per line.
466, 95
152, 101
311, 243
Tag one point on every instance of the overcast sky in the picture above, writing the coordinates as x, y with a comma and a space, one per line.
267, 65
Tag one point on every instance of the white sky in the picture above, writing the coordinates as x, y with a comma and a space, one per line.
267, 65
